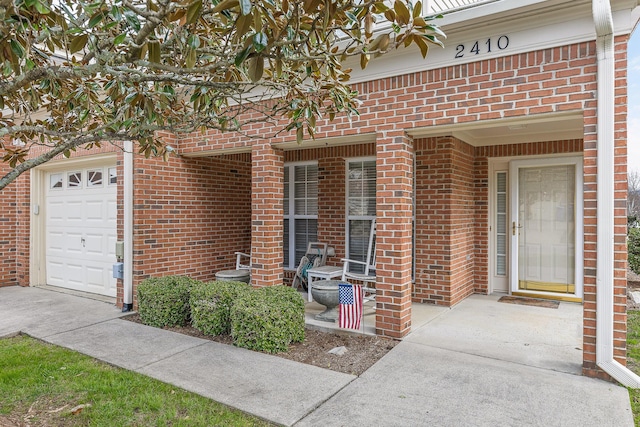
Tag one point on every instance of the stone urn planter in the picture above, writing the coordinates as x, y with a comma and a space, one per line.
325, 292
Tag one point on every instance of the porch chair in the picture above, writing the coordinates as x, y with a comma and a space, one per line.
243, 261
315, 256
368, 275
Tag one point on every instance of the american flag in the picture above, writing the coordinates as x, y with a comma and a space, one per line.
350, 306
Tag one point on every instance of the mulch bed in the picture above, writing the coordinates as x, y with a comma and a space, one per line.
362, 350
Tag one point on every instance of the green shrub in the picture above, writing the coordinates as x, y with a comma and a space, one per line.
211, 304
633, 246
164, 301
268, 319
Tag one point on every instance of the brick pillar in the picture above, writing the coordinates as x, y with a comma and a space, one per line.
394, 175
267, 190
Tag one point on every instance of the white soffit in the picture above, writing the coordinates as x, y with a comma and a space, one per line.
538, 128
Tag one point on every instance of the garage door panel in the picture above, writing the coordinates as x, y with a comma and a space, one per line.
96, 212
95, 243
81, 224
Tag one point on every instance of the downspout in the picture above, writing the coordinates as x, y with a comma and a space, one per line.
127, 300
603, 20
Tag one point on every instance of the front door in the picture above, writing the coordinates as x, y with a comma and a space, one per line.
546, 246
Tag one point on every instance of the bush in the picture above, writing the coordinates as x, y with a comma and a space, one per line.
268, 319
164, 301
633, 246
211, 305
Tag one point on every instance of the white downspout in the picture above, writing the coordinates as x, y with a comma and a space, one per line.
605, 197
128, 227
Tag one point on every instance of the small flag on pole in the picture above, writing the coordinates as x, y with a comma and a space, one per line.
350, 306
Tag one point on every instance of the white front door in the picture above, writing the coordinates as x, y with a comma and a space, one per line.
80, 225
546, 227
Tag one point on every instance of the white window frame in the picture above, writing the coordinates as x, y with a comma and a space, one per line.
348, 217
291, 217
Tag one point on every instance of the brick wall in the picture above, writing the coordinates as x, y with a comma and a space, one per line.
190, 215
445, 221
8, 232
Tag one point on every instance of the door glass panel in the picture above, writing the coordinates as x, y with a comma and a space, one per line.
546, 237
501, 223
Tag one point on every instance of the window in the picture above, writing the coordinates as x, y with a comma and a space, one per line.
501, 223
94, 178
300, 211
55, 180
361, 207
74, 179
113, 176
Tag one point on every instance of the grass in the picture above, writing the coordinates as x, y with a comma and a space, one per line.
633, 359
40, 384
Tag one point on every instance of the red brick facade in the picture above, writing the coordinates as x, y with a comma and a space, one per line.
8, 232
192, 213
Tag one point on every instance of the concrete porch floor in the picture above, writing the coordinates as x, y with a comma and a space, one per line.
541, 337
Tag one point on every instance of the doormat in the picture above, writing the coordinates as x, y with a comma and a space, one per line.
530, 301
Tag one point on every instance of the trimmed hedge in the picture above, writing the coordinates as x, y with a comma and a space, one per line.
164, 301
268, 319
211, 305
633, 247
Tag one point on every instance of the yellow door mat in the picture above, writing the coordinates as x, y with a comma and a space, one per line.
530, 301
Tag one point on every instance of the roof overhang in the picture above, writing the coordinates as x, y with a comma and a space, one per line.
538, 128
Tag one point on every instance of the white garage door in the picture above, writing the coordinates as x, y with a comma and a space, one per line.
81, 229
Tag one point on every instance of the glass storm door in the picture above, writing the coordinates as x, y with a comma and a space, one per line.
543, 229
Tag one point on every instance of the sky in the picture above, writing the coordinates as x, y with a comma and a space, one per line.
633, 119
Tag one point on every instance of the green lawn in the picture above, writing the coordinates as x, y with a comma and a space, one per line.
633, 358
40, 384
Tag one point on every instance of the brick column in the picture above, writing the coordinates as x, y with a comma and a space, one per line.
267, 190
394, 182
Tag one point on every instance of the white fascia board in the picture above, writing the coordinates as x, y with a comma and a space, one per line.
530, 25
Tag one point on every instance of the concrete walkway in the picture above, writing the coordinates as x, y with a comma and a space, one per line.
431, 378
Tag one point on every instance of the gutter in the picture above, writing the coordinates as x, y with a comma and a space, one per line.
603, 20
127, 299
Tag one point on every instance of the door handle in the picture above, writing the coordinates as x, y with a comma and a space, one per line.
82, 241
515, 227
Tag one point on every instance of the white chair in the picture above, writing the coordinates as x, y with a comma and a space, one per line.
243, 261
368, 275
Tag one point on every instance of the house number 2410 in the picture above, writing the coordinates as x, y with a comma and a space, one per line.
490, 45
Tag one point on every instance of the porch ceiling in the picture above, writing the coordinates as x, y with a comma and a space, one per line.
538, 128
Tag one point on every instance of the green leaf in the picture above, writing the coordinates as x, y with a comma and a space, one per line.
154, 52
193, 41
424, 48
119, 39
17, 48
42, 8
260, 42
95, 19
194, 11
256, 68
300, 134
225, 5
417, 9
78, 43
245, 7
402, 13
190, 60
242, 56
